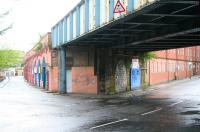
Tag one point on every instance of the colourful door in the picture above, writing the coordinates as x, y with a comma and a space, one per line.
39, 79
44, 73
135, 78
44, 77
39, 73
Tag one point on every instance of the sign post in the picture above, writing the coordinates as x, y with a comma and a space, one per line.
119, 8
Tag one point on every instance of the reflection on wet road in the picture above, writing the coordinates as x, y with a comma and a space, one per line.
174, 108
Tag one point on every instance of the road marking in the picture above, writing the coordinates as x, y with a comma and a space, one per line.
108, 124
151, 89
175, 103
150, 112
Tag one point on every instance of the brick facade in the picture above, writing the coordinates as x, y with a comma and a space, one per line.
38, 69
174, 64
84, 80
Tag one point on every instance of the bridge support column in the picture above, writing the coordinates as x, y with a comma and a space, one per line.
62, 73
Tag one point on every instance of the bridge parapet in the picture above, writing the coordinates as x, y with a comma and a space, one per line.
90, 15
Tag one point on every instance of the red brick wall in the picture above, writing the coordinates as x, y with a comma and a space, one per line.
180, 54
32, 59
171, 54
156, 78
53, 79
176, 64
84, 80
161, 54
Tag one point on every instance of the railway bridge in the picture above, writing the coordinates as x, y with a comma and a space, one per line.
96, 45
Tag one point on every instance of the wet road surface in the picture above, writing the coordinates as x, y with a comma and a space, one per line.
173, 108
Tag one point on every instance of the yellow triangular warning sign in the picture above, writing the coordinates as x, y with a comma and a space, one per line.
119, 8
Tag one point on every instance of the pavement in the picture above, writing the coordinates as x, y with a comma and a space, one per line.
173, 107
138, 92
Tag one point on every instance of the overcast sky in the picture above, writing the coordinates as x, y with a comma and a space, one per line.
30, 18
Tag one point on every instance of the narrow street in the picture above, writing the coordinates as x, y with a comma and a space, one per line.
173, 108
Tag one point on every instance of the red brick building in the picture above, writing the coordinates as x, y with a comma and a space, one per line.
174, 64
42, 68
41, 65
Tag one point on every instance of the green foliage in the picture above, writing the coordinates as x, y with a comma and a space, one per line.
10, 58
39, 45
111, 88
145, 56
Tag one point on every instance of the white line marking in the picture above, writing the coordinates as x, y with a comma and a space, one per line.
151, 89
108, 124
175, 103
150, 112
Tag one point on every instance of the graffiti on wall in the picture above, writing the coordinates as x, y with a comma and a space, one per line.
121, 77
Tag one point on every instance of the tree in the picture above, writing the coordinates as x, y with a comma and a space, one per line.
144, 57
2, 31
10, 58
39, 45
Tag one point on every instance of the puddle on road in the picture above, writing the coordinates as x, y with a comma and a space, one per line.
196, 121
93, 100
114, 102
194, 112
191, 107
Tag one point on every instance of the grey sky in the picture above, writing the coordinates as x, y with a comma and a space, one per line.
30, 18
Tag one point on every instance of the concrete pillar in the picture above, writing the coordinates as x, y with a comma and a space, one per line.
62, 73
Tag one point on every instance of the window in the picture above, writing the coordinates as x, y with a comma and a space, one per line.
159, 66
164, 66
151, 66
170, 67
155, 67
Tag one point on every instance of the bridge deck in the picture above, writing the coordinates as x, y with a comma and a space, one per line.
165, 24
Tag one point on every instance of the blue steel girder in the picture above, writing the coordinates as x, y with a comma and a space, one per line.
150, 24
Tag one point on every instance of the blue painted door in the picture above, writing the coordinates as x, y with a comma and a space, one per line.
35, 77
135, 78
44, 77
39, 79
